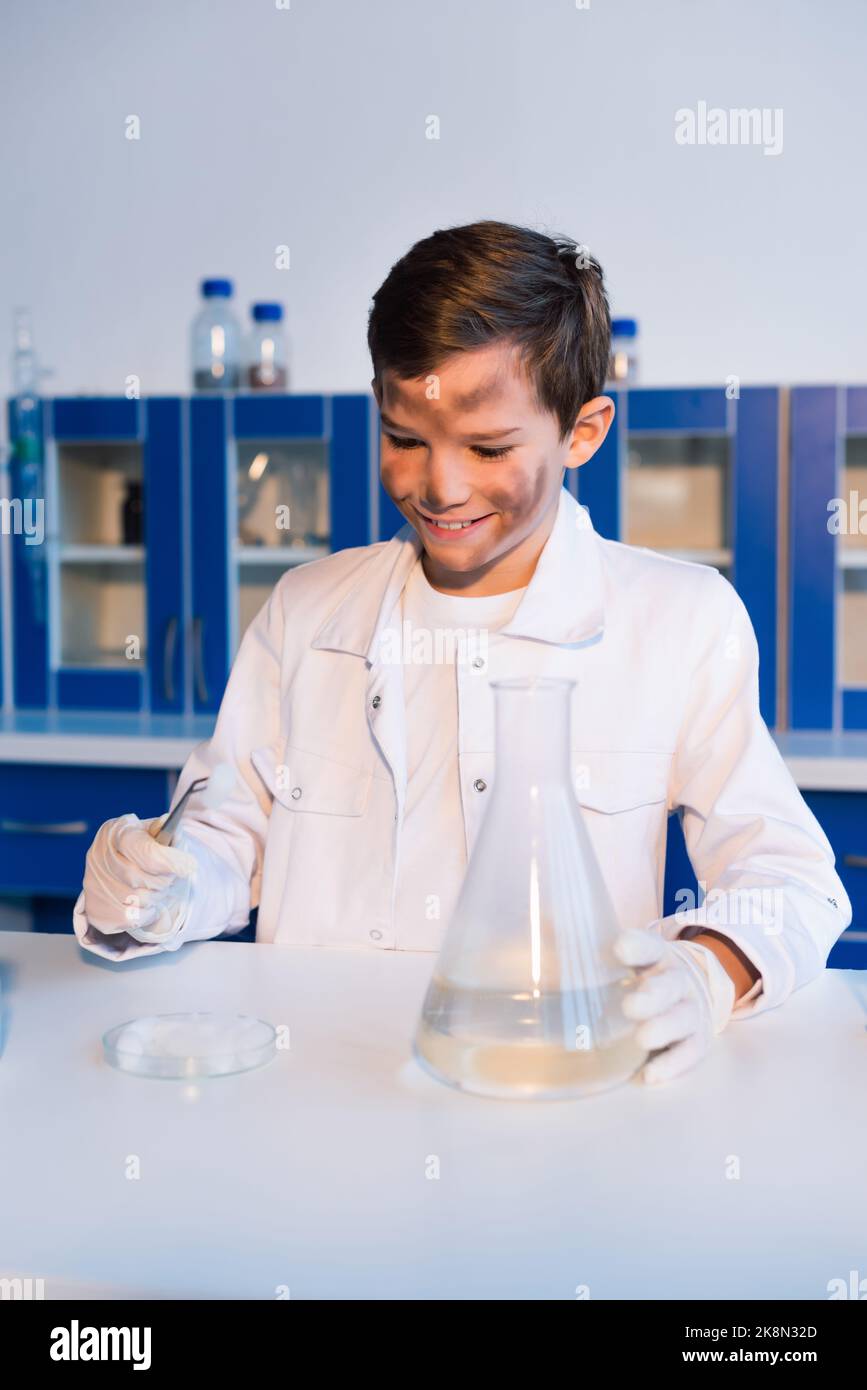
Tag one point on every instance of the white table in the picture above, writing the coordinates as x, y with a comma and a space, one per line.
311, 1172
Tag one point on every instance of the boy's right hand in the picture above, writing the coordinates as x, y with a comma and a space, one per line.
134, 884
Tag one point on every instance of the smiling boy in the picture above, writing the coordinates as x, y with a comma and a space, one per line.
361, 782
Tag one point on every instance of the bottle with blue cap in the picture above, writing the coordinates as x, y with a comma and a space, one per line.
216, 340
265, 367
623, 364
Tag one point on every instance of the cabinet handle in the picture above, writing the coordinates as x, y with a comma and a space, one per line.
855, 861
26, 827
199, 660
169, 646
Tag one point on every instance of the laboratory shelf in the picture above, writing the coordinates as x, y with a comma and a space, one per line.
853, 559
278, 555
100, 554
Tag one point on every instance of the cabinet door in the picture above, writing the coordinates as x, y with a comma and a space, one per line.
694, 474
92, 634
828, 558
277, 481
97, 596
164, 512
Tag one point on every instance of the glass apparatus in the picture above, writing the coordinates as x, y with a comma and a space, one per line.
526, 996
189, 1047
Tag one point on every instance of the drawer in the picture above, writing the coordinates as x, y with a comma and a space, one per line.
49, 816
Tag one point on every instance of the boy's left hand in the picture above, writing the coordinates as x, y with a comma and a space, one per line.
682, 1000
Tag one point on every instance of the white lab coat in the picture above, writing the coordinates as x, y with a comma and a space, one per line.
665, 716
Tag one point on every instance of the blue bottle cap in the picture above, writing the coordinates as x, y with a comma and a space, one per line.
624, 328
267, 313
217, 289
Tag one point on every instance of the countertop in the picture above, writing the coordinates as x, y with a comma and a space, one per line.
818, 761
744, 1179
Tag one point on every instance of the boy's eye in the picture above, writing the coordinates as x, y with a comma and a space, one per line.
397, 441
483, 451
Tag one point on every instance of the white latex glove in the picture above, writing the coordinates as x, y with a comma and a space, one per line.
134, 884
684, 998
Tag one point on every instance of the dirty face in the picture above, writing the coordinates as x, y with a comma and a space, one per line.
476, 467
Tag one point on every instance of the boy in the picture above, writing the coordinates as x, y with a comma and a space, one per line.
361, 781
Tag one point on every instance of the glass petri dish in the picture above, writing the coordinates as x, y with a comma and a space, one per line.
188, 1047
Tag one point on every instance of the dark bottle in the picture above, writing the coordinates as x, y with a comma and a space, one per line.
132, 513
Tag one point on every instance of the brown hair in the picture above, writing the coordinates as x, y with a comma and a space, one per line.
466, 287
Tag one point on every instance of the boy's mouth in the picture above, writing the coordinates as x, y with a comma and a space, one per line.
453, 529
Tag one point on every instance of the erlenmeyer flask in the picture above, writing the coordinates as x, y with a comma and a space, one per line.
526, 996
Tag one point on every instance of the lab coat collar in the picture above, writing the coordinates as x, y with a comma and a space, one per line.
562, 603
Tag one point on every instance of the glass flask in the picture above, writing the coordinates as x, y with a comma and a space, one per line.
526, 996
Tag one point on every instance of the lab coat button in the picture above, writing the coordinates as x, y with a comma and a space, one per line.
376, 935
478, 662
480, 784
376, 701
295, 793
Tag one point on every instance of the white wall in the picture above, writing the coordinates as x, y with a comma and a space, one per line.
261, 126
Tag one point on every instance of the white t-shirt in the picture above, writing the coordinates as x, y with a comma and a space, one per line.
433, 858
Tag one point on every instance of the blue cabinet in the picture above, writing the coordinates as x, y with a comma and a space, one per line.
694, 472
828, 558
166, 524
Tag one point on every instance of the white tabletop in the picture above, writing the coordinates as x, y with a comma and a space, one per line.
311, 1172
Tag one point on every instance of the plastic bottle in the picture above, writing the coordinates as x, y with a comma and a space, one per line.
266, 368
216, 340
623, 363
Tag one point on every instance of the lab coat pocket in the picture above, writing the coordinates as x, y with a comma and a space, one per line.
614, 780
623, 795
309, 783
325, 882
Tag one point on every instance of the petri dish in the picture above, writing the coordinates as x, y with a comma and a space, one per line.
188, 1047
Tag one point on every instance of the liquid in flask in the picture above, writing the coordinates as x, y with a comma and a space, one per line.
526, 999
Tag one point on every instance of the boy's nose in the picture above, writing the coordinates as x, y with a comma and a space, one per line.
443, 485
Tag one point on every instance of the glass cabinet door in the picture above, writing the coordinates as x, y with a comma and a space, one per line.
282, 511
97, 620
828, 558
96, 557
277, 481
677, 496
694, 473
852, 562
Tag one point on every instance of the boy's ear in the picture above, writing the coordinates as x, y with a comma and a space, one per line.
591, 426
374, 386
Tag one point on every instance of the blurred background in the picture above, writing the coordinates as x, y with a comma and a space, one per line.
305, 127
